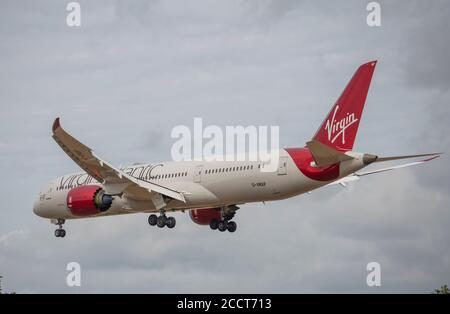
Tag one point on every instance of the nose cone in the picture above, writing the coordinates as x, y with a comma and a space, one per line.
37, 207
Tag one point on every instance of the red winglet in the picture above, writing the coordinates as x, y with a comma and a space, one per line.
428, 159
55, 125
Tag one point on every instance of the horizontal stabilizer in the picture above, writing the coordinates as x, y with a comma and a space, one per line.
355, 176
324, 155
390, 158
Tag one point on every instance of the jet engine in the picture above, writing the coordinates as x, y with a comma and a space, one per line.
88, 200
203, 216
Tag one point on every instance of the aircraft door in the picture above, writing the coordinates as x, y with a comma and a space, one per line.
282, 166
198, 174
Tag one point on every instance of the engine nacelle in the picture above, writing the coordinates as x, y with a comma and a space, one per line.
88, 200
203, 216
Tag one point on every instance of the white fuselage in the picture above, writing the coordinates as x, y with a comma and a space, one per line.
203, 184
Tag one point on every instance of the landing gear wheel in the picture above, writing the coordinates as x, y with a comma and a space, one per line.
161, 221
170, 222
152, 219
214, 224
222, 226
232, 226
60, 233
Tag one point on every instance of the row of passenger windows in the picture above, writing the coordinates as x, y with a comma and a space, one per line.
169, 175
230, 169
208, 171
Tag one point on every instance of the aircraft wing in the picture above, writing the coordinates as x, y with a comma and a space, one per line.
114, 180
355, 176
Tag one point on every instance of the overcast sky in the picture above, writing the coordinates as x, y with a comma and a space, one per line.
135, 69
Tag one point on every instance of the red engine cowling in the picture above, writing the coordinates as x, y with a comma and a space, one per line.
88, 200
203, 216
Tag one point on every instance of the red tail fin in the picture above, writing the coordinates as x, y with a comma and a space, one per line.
339, 129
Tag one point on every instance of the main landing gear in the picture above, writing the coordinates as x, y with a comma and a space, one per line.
224, 224
60, 232
162, 221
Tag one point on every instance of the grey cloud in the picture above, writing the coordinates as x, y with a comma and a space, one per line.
425, 47
137, 10
269, 11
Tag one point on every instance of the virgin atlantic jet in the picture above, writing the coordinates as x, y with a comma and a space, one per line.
212, 191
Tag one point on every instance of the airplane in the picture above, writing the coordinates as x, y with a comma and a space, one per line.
212, 191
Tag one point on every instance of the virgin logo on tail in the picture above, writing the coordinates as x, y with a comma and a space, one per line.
336, 128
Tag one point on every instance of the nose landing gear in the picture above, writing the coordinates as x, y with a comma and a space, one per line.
60, 232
